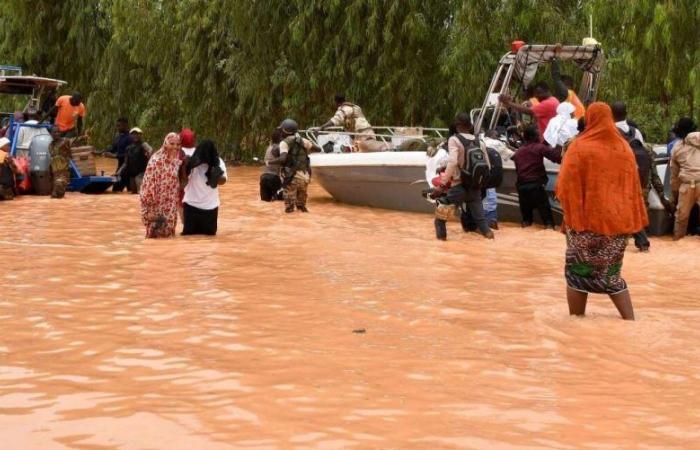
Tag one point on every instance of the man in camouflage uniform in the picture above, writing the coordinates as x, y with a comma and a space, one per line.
296, 166
60, 163
352, 119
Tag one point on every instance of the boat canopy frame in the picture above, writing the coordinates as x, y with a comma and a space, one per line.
522, 66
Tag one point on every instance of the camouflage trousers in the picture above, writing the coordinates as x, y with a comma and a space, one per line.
295, 193
60, 182
6, 193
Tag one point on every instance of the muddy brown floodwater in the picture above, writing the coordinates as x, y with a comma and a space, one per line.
245, 341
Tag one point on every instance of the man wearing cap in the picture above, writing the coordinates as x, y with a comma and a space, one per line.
7, 171
685, 180
296, 166
135, 161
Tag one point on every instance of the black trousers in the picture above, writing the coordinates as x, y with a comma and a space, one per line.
270, 184
534, 196
199, 221
641, 241
123, 181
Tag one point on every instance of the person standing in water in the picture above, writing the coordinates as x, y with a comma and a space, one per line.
685, 180
60, 151
8, 169
135, 161
160, 189
270, 181
532, 177
206, 171
599, 217
296, 166
457, 194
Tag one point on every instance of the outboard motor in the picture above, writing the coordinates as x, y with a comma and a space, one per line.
40, 164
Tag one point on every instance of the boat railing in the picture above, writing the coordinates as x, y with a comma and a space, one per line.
390, 135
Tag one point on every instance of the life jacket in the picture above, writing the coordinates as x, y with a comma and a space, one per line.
483, 166
580, 110
297, 157
641, 155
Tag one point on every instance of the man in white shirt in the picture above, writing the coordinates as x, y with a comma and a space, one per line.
201, 203
619, 110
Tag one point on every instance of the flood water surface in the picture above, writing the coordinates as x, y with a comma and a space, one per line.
347, 327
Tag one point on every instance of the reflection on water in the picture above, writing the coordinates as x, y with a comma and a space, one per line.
246, 341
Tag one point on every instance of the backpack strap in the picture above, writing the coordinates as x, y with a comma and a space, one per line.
468, 143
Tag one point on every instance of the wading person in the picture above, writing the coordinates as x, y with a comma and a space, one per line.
135, 161
646, 166
122, 140
60, 152
457, 194
270, 181
599, 216
685, 180
296, 166
7, 171
160, 189
206, 171
532, 177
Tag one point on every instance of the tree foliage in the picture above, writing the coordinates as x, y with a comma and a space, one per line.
233, 69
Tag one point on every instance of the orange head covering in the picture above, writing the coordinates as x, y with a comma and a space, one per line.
598, 184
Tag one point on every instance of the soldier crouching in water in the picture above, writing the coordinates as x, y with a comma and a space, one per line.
296, 166
60, 167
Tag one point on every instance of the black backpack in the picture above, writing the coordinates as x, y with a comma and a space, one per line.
483, 167
640, 154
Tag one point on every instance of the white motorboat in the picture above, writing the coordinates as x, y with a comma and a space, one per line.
396, 179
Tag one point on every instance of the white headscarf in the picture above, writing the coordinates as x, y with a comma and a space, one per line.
562, 127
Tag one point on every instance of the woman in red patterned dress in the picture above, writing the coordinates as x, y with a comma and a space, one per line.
160, 189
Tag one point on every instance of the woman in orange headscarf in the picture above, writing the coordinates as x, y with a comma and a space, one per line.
599, 190
160, 189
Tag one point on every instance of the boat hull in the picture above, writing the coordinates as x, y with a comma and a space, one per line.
395, 180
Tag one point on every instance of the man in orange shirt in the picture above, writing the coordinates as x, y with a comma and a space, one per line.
70, 114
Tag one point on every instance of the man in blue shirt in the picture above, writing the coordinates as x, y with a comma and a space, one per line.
118, 148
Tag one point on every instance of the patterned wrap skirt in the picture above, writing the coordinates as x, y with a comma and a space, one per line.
594, 262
